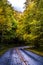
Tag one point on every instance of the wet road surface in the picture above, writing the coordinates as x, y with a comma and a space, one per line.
20, 57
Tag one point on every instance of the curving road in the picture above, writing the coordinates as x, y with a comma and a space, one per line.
19, 56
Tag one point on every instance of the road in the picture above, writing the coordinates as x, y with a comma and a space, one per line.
17, 56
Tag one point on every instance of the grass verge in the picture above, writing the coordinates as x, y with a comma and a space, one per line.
2, 51
36, 51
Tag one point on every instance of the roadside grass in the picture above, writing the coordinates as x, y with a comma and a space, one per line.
38, 51
3, 50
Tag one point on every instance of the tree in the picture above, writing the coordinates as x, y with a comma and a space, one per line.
33, 21
8, 24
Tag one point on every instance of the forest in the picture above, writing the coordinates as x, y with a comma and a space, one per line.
21, 28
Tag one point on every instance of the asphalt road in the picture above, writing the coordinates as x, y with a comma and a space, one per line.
19, 56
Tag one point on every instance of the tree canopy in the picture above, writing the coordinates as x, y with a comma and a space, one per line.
26, 26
